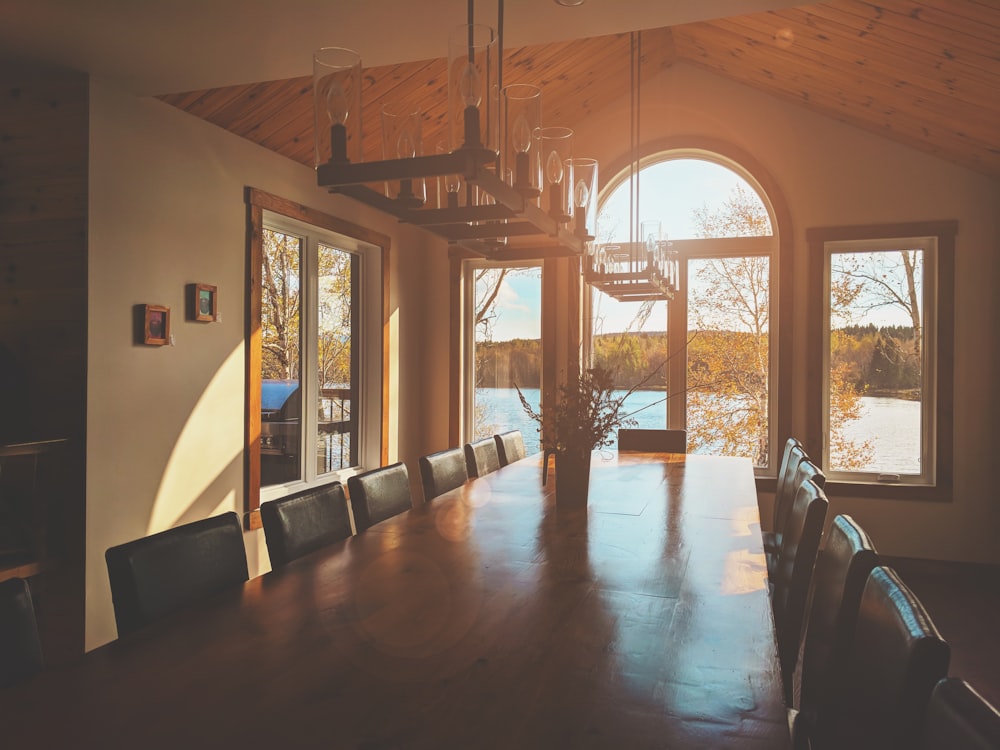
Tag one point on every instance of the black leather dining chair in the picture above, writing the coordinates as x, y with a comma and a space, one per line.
805, 470
510, 446
793, 575
481, 457
842, 568
959, 718
379, 494
896, 658
442, 471
20, 646
790, 457
304, 522
161, 573
666, 441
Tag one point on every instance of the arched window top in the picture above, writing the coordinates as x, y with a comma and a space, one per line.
693, 195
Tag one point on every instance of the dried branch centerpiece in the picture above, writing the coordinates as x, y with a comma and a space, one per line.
582, 420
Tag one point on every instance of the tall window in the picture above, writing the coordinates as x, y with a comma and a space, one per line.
505, 348
709, 348
326, 324
315, 370
884, 379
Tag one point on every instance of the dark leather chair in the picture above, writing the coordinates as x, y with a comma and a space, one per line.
20, 647
442, 471
481, 457
799, 547
662, 441
510, 446
959, 718
805, 470
161, 573
379, 494
896, 659
841, 571
304, 522
790, 457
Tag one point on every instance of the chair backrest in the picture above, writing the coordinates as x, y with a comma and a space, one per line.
793, 574
841, 571
510, 446
959, 718
379, 494
20, 647
158, 574
666, 441
481, 457
896, 659
442, 471
793, 453
800, 468
304, 522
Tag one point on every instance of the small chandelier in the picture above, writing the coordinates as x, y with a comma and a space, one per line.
499, 168
644, 268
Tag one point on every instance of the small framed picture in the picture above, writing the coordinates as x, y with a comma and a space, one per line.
203, 302
156, 325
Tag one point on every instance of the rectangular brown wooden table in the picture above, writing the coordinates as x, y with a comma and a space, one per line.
485, 619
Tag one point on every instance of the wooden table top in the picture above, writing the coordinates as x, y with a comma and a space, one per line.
484, 619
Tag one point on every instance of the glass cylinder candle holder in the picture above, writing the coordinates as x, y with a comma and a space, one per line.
649, 239
556, 165
337, 105
473, 87
520, 119
584, 197
402, 139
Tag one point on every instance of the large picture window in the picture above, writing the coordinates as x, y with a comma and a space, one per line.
315, 371
710, 347
882, 403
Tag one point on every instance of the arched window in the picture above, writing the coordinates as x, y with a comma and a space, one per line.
707, 358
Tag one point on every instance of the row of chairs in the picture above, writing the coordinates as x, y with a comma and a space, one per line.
158, 574
873, 670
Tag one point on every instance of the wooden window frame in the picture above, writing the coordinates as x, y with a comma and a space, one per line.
258, 201
944, 294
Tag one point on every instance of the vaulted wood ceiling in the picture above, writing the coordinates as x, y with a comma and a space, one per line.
924, 73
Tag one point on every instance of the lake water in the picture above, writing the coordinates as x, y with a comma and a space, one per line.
893, 425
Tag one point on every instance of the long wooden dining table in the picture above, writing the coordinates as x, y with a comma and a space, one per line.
487, 618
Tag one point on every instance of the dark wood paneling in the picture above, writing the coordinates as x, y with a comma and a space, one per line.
44, 141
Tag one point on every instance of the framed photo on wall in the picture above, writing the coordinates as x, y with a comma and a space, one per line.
203, 302
156, 325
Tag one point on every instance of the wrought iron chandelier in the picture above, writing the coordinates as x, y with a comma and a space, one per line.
512, 187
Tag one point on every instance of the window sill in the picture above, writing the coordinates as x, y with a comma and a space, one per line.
876, 491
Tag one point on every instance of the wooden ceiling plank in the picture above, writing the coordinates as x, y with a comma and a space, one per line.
962, 99
952, 55
968, 19
861, 91
843, 103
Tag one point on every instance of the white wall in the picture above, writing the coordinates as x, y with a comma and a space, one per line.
165, 424
831, 173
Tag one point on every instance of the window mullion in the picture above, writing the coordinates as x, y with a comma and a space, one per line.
310, 386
